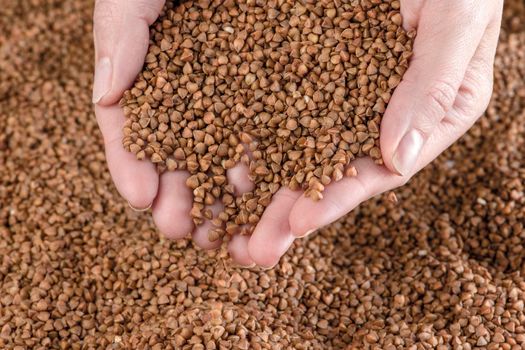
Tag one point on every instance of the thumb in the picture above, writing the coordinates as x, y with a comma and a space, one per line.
121, 32
448, 34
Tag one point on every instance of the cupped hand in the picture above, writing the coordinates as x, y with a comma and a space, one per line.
445, 90
121, 33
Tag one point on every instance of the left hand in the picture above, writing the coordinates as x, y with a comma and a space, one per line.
121, 33
446, 88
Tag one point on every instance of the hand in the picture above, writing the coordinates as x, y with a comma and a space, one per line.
121, 31
446, 88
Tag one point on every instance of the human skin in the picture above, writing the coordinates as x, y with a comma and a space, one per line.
445, 90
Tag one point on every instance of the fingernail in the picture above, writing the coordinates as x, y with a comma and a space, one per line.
139, 210
103, 79
407, 152
308, 233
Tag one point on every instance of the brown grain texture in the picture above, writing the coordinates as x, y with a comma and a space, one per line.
443, 268
293, 89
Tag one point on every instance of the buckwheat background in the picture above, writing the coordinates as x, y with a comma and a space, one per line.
441, 269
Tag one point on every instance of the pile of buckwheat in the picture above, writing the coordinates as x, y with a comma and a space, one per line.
294, 89
441, 269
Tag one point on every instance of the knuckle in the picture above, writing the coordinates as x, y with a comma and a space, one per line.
487, 84
463, 6
486, 97
485, 93
468, 13
441, 97
148, 10
105, 11
476, 95
475, 11
336, 206
111, 141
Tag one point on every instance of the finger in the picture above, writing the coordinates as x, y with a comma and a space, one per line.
341, 197
411, 13
171, 209
448, 34
272, 236
238, 249
201, 233
137, 181
238, 176
476, 88
121, 32
473, 96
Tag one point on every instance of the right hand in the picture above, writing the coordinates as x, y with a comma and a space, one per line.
444, 91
